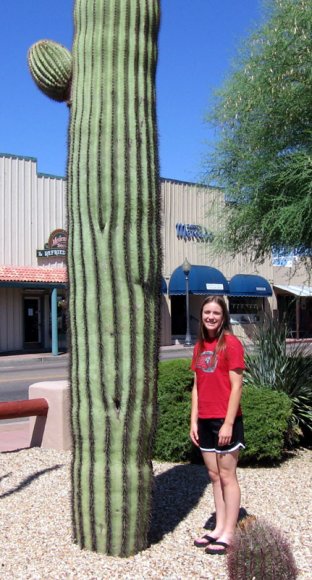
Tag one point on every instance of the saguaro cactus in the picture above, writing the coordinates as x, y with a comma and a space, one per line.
114, 270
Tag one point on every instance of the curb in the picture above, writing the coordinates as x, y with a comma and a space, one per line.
9, 361
22, 360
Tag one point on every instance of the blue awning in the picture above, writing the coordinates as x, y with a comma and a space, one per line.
202, 280
249, 285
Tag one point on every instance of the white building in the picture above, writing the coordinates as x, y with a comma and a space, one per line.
33, 276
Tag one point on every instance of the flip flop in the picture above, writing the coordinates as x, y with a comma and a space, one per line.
206, 541
217, 552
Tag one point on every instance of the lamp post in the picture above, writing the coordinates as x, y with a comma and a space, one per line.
186, 267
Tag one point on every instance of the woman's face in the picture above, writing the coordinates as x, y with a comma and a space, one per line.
212, 317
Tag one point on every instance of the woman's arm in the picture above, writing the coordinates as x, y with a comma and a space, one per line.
236, 380
194, 414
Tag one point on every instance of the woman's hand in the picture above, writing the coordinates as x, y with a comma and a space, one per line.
194, 433
225, 434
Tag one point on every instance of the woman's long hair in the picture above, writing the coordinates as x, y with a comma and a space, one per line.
224, 329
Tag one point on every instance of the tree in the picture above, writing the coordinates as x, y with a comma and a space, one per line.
263, 158
113, 264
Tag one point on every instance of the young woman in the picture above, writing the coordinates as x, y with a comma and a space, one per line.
216, 417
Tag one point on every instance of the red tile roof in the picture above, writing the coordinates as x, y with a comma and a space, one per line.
33, 274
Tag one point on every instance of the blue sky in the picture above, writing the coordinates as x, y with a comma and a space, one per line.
198, 41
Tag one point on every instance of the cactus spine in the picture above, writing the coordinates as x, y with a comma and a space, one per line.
114, 264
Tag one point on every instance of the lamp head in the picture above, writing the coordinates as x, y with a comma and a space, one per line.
186, 266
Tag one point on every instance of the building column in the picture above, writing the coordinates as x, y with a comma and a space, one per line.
297, 318
54, 327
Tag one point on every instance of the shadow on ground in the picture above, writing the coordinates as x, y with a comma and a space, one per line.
176, 492
28, 481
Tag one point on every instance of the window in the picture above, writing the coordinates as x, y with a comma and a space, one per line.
245, 310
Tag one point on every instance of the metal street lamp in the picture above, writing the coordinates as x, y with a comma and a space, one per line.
186, 267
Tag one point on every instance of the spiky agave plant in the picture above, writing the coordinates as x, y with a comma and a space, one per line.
288, 370
114, 264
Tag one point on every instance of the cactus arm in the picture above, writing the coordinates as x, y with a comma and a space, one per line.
50, 66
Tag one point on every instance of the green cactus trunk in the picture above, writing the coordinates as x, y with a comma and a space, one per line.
114, 271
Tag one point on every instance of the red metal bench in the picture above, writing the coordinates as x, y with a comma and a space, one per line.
24, 408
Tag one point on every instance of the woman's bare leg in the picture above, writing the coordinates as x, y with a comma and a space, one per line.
211, 463
227, 463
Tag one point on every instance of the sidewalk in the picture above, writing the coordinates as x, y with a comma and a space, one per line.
9, 360
14, 435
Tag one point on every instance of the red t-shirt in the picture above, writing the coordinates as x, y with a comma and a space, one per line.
212, 374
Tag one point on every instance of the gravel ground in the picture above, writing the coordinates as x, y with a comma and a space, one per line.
36, 522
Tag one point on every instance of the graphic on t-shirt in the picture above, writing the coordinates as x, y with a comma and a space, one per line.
206, 362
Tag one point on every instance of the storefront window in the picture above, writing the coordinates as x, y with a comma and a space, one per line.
245, 310
62, 315
296, 312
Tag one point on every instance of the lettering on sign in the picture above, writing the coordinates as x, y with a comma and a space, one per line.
214, 286
193, 233
58, 239
56, 246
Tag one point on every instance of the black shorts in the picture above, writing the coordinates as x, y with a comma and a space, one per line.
208, 433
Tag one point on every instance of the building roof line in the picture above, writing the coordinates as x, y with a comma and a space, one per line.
34, 160
14, 156
35, 274
47, 175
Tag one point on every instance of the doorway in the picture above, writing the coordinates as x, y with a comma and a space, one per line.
32, 322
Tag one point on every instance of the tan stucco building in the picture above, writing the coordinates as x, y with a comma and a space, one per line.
33, 245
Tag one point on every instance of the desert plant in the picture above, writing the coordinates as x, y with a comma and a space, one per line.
266, 412
290, 372
175, 381
259, 551
114, 261
267, 417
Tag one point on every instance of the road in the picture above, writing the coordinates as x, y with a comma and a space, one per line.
16, 378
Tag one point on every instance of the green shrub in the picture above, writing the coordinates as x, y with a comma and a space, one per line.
175, 381
266, 417
267, 414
